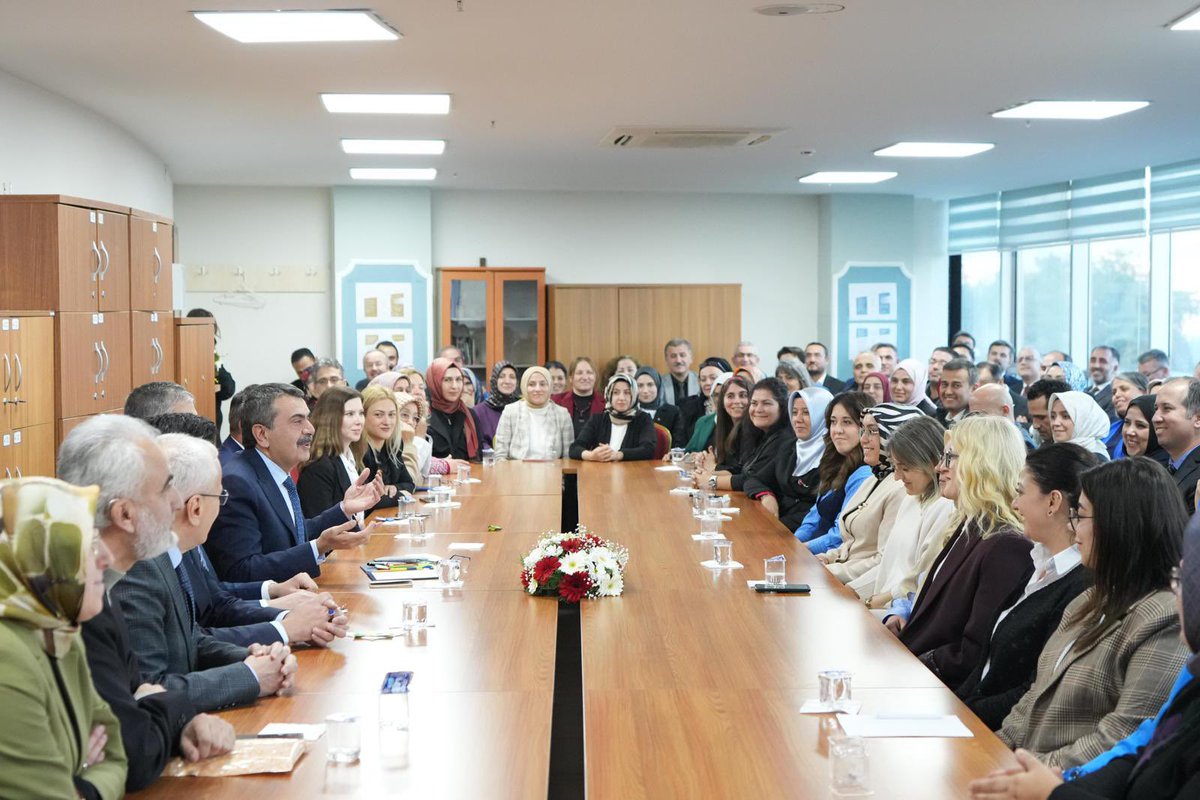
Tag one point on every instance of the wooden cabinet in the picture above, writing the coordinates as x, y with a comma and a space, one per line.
27, 396
493, 314
27, 452
582, 320
94, 362
151, 251
63, 254
152, 337
195, 362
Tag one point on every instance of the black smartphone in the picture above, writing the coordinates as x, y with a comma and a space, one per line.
784, 588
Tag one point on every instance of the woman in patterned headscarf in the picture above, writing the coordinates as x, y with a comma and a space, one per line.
58, 738
502, 391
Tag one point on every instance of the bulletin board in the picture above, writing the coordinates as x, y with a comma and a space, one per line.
872, 303
377, 301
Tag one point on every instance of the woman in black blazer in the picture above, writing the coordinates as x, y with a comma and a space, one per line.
384, 451
650, 400
1048, 482
335, 459
762, 433
789, 488
622, 433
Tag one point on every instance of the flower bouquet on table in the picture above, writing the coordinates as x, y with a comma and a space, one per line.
572, 566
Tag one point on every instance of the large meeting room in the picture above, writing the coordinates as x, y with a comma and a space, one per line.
552, 399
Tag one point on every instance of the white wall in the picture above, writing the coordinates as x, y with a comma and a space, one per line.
49, 145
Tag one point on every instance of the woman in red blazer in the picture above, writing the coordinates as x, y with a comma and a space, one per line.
985, 563
581, 400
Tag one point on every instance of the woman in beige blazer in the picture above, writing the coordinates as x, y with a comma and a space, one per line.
534, 427
1117, 651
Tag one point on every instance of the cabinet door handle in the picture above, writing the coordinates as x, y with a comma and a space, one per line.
107, 260
154, 363
7, 372
159, 356
20, 372
107, 362
8, 473
99, 362
19, 475
99, 262
157, 265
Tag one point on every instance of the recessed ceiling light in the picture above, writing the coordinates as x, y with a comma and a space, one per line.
848, 177
255, 27
798, 9
1188, 22
394, 147
386, 103
934, 149
392, 174
1071, 109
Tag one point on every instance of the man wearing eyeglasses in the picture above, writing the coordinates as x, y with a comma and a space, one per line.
325, 373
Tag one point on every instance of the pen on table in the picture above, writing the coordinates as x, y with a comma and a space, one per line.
270, 736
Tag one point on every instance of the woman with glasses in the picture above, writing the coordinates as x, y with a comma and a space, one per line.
1116, 652
453, 429
534, 427
841, 471
984, 563
336, 457
384, 451
1048, 484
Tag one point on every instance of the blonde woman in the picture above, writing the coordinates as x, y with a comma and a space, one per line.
985, 564
385, 444
534, 428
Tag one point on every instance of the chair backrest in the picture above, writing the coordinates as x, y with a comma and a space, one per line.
662, 441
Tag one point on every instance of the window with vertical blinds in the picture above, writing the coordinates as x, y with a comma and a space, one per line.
1175, 196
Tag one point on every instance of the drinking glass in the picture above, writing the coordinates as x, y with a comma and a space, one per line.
835, 688
416, 527
710, 525
416, 613
489, 457
435, 482
464, 473
677, 454
775, 570
448, 571
699, 499
343, 737
848, 766
685, 478
723, 552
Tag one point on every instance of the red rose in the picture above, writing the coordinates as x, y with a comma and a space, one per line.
573, 587
544, 570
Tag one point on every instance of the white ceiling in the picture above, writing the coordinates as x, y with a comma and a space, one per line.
536, 85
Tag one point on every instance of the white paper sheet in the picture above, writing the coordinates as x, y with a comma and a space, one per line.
707, 537
466, 545
886, 725
714, 565
817, 707
667, 468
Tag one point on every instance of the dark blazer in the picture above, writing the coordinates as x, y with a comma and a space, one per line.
223, 615
795, 495
953, 616
449, 435
638, 444
323, 483
254, 536
1015, 647
150, 727
1103, 399
171, 648
758, 462
1186, 477
691, 408
833, 384
229, 448
672, 419
394, 474
566, 400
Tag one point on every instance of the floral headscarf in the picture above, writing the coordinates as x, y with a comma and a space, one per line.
621, 417
497, 399
1074, 377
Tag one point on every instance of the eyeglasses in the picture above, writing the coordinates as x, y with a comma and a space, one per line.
334, 381
1176, 580
223, 496
1073, 517
870, 433
948, 458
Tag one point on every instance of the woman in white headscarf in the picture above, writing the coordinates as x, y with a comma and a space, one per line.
1076, 418
909, 386
790, 488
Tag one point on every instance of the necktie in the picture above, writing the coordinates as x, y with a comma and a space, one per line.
297, 514
186, 584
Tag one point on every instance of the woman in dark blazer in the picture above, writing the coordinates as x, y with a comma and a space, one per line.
336, 457
621, 434
384, 451
582, 399
649, 399
453, 428
1048, 482
762, 433
789, 490
984, 565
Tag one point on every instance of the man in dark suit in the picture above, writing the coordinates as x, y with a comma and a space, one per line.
1177, 424
1103, 365
995, 400
816, 361
116, 452
261, 532
1000, 353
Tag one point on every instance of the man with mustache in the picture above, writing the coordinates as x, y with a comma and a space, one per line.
261, 532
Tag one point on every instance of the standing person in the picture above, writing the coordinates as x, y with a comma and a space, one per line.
453, 428
558, 376
908, 383
940, 357
962, 337
816, 361
303, 361
1076, 418
58, 737
374, 363
389, 350
1154, 364
503, 390
794, 376
1000, 353
1104, 363
682, 382
534, 427
876, 386
888, 356
223, 383
384, 443
325, 373
864, 363
1138, 430
789, 490
1029, 367
958, 376
622, 433
745, 355
649, 399
1125, 387
582, 400
1177, 423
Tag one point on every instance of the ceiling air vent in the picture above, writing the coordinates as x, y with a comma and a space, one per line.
687, 138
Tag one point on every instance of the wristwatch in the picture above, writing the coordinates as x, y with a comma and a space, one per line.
712, 482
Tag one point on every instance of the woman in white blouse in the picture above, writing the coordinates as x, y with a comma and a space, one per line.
534, 429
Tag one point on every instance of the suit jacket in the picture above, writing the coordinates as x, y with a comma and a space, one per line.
1186, 477
833, 384
1103, 399
223, 615
171, 649
254, 535
691, 409
323, 483
866, 525
638, 444
670, 418
668, 388
512, 433
956, 609
1015, 646
229, 448
150, 727
1081, 706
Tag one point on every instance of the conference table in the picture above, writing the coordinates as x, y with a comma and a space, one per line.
691, 681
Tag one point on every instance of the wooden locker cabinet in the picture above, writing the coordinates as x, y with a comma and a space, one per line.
94, 362
63, 253
195, 362
151, 252
27, 452
493, 314
152, 337
26, 371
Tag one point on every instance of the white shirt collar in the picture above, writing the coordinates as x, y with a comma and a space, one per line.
175, 556
277, 472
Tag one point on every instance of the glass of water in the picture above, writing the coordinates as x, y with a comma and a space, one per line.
464, 473
416, 614
677, 454
710, 525
699, 500
343, 736
848, 766
723, 552
416, 527
775, 571
489, 457
835, 689
435, 482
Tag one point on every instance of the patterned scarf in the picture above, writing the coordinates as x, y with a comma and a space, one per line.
497, 399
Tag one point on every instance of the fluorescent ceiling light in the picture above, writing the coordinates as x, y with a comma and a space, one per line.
255, 27
1071, 109
392, 174
386, 103
847, 177
394, 147
1188, 22
935, 149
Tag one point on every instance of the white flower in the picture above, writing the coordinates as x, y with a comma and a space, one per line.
574, 562
535, 555
600, 553
533, 586
551, 549
611, 587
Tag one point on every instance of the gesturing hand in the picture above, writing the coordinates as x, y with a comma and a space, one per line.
363, 494
342, 537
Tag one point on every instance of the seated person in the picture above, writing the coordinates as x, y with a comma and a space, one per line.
700, 410
984, 565
453, 429
335, 459
877, 386
384, 440
1116, 652
502, 392
650, 400
558, 376
762, 432
534, 427
581, 401
261, 532
1049, 481
793, 375
841, 472
622, 433
1140, 438
58, 738
790, 490
1075, 417
325, 374
908, 384
159, 397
